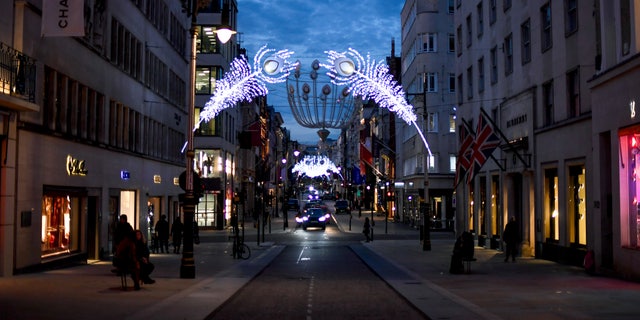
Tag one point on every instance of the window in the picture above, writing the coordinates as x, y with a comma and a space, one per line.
452, 82
60, 222
629, 188
460, 89
452, 42
432, 162
577, 206
573, 93
551, 206
494, 65
207, 42
547, 103
206, 77
429, 42
492, 11
432, 122
480, 19
625, 26
469, 82
508, 54
506, 4
481, 74
525, 36
459, 42
450, 7
452, 123
545, 22
452, 163
431, 82
469, 31
570, 16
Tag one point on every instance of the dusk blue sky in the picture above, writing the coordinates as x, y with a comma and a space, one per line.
309, 28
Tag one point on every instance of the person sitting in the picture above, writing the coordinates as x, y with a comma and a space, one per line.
142, 256
125, 259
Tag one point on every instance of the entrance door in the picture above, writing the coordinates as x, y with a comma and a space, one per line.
93, 252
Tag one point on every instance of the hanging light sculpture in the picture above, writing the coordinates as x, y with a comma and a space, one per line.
331, 106
315, 166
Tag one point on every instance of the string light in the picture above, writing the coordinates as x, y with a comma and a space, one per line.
370, 79
315, 166
240, 83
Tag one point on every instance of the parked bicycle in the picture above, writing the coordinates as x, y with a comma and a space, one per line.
240, 249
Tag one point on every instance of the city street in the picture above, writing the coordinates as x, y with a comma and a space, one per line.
314, 274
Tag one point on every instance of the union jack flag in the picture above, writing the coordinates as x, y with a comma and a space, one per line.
463, 161
485, 143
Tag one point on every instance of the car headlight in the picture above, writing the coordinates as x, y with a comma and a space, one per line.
305, 218
322, 219
327, 216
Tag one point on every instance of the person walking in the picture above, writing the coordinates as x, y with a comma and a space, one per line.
511, 238
366, 229
176, 234
162, 231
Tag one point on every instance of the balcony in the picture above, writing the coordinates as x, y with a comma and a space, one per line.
17, 80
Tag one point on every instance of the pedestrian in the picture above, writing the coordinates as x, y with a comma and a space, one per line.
176, 234
196, 232
142, 255
121, 231
125, 259
366, 229
162, 232
511, 238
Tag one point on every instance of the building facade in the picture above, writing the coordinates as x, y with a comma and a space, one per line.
428, 70
92, 128
523, 70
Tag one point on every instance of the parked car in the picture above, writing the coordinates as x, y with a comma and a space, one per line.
292, 204
314, 217
342, 206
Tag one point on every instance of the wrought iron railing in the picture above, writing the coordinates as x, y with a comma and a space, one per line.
17, 73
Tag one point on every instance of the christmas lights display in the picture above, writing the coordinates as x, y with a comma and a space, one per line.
315, 166
240, 83
370, 79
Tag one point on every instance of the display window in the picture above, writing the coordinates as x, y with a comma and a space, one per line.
552, 215
60, 224
629, 187
577, 210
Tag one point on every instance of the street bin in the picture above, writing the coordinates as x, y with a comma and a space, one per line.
482, 240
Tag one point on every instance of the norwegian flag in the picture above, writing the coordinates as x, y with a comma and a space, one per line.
485, 143
463, 161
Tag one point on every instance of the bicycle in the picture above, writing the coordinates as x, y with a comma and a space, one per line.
240, 249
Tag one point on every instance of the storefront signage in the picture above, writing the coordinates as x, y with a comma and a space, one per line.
176, 181
75, 167
632, 109
125, 175
517, 120
157, 178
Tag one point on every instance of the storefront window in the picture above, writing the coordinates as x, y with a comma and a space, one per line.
59, 224
577, 211
551, 213
629, 189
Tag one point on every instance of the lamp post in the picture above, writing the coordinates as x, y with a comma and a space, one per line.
285, 218
187, 265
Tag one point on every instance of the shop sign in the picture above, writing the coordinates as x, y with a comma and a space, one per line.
76, 167
125, 175
176, 181
632, 109
157, 178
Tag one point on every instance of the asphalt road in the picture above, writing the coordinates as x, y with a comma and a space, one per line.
317, 276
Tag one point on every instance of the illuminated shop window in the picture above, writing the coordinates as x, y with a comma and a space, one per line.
629, 189
551, 213
577, 210
59, 224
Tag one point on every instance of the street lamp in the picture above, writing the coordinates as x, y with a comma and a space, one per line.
187, 264
285, 219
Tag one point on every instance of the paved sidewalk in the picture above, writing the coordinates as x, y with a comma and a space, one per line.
527, 289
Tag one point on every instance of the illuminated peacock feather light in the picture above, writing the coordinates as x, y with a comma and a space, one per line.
315, 166
371, 80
